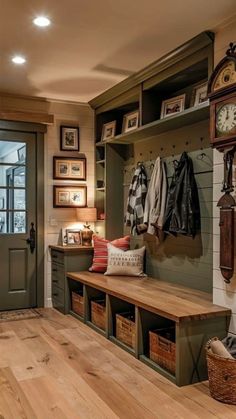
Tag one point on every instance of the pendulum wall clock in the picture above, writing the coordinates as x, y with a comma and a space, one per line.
222, 96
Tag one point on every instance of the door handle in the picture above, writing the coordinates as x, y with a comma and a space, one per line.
31, 238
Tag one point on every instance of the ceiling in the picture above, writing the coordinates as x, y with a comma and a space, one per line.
93, 44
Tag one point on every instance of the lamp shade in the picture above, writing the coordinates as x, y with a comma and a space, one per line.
86, 214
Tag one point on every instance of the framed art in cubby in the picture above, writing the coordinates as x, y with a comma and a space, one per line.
69, 138
130, 121
108, 131
200, 94
172, 106
71, 168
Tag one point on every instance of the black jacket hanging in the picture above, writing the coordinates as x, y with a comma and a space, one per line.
182, 215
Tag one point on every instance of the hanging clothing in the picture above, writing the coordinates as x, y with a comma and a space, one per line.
182, 213
155, 203
136, 199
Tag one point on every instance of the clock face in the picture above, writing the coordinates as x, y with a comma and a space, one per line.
226, 118
226, 77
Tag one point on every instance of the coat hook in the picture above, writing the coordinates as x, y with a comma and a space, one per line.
201, 139
173, 146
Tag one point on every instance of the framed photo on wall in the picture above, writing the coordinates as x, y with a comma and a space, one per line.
130, 121
72, 168
66, 196
108, 130
172, 106
69, 138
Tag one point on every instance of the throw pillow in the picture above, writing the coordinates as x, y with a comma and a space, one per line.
99, 263
122, 262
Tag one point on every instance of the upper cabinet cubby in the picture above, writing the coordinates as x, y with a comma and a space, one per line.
177, 73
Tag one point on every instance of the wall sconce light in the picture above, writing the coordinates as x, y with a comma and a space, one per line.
86, 215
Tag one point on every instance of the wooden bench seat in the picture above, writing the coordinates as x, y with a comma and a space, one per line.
172, 301
156, 304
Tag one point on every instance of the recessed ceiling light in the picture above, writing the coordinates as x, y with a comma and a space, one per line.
18, 59
41, 21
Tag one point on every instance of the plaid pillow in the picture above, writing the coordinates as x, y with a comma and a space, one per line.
100, 255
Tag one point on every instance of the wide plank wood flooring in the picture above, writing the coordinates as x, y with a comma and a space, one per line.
57, 367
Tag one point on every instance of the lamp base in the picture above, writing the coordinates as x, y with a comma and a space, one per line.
86, 237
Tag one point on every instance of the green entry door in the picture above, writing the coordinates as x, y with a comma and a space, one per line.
17, 212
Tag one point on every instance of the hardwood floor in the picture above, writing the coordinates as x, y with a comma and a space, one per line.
57, 367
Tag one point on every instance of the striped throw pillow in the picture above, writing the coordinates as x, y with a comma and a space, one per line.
100, 255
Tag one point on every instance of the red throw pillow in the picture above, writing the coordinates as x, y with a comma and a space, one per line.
101, 253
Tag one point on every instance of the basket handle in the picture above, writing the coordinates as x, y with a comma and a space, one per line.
164, 345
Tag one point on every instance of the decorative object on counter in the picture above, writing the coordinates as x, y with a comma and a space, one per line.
129, 262
182, 214
136, 199
108, 131
155, 202
222, 95
130, 121
87, 215
172, 106
63, 237
66, 196
69, 138
71, 168
73, 236
200, 94
100, 251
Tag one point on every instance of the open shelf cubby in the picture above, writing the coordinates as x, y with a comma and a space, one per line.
120, 307
151, 322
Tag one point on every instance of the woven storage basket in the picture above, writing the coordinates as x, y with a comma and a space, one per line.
222, 376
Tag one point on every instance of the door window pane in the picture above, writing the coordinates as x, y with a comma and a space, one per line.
19, 222
12, 186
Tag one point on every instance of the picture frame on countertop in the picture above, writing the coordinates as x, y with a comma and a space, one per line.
69, 138
130, 121
71, 168
69, 196
170, 107
108, 131
73, 237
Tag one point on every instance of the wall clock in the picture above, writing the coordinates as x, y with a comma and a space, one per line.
222, 96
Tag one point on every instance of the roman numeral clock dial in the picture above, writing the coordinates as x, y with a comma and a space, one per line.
226, 118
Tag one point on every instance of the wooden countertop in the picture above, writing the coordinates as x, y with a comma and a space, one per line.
72, 249
172, 301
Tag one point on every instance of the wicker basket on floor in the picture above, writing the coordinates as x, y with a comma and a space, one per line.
222, 376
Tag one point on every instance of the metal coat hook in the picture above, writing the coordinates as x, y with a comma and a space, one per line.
201, 139
201, 156
173, 146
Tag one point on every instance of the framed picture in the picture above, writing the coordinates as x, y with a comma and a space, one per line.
73, 237
65, 196
130, 121
72, 168
108, 130
21, 153
69, 138
200, 94
172, 106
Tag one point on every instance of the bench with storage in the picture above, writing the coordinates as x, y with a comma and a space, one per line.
164, 325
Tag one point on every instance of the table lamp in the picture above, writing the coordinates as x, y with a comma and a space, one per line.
86, 215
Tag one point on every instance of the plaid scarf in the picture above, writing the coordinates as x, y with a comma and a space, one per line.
136, 199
